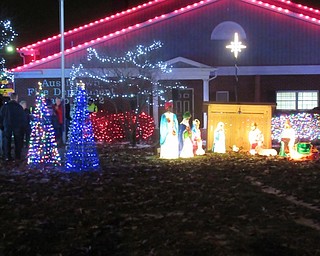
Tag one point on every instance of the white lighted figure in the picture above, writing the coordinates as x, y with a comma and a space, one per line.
169, 143
185, 137
196, 138
255, 138
236, 46
219, 139
288, 138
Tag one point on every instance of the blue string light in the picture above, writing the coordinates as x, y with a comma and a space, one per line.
81, 153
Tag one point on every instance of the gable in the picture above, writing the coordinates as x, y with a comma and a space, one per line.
274, 36
181, 62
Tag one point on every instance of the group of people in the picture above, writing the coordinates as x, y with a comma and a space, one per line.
176, 139
15, 122
55, 112
179, 139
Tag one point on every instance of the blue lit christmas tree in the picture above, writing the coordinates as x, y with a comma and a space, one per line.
82, 153
43, 149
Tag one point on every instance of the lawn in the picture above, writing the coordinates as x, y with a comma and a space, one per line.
138, 204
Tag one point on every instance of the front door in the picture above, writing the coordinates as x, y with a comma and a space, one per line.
183, 101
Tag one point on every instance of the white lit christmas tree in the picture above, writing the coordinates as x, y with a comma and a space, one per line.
43, 148
7, 33
6, 37
6, 76
82, 153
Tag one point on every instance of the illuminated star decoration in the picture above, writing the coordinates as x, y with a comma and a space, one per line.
236, 46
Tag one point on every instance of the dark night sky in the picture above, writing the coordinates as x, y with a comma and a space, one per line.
38, 19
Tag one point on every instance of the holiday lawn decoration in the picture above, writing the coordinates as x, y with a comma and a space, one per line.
112, 127
81, 152
43, 149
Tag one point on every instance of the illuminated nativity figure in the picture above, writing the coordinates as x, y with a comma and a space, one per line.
185, 137
219, 139
255, 138
196, 138
288, 138
169, 126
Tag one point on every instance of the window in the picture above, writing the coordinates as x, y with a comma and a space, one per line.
286, 100
222, 96
297, 100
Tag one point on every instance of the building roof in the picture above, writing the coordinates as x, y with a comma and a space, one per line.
46, 54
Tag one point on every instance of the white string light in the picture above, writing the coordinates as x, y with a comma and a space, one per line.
130, 75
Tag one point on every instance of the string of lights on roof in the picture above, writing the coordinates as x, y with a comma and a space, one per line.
140, 7
286, 11
94, 23
117, 33
301, 6
165, 16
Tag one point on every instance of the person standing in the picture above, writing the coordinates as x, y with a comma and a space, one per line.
27, 131
169, 144
1, 131
58, 120
14, 121
219, 143
92, 108
69, 114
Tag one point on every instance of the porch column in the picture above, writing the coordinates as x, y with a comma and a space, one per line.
205, 98
155, 111
257, 89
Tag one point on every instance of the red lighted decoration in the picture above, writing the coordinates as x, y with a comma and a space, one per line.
113, 127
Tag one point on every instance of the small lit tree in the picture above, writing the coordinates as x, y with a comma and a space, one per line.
43, 148
81, 153
7, 36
